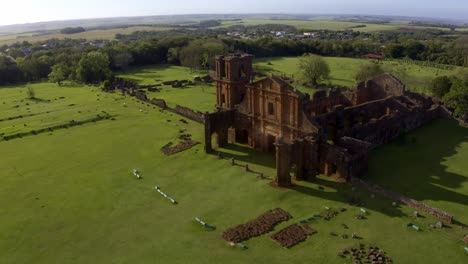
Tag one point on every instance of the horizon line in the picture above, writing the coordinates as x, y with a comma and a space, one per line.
464, 20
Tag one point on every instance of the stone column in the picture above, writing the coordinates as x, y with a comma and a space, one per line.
283, 164
299, 160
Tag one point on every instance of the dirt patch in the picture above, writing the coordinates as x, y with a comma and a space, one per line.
262, 225
292, 235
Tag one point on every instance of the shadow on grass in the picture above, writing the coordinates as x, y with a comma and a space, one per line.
248, 155
414, 164
413, 168
342, 192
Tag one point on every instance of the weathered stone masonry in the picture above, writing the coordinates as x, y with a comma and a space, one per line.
330, 133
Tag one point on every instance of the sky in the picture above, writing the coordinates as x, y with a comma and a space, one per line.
28, 11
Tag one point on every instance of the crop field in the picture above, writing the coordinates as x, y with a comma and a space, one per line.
68, 196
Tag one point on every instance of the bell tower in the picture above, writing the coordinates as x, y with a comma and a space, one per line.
233, 74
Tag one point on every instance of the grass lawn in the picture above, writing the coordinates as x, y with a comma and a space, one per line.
429, 164
201, 97
343, 70
69, 197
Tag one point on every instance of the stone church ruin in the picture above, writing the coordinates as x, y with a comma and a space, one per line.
331, 133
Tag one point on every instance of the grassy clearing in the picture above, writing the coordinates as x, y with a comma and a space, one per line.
69, 197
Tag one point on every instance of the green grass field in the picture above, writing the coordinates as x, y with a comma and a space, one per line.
201, 97
441, 180
68, 196
343, 70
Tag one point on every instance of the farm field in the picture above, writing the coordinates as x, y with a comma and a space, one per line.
68, 196
98, 34
329, 25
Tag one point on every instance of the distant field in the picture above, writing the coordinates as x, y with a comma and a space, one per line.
107, 34
330, 25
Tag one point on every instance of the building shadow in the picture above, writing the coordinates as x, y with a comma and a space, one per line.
415, 165
246, 154
328, 189
412, 166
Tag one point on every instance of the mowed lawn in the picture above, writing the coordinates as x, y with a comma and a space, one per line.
69, 196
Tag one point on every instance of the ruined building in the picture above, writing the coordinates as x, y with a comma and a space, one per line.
331, 133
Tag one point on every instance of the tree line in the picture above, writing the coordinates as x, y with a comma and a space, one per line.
66, 59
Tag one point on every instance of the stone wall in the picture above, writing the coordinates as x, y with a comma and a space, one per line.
159, 102
389, 127
442, 215
196, 116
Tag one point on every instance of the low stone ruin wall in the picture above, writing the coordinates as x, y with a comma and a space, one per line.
132, 89
441, 215
262, 225
159, 102
196, 116
180, 147
72, 123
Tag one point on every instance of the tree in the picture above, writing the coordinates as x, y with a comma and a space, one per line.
457, 98
31, 93
15, 53
368, 71
93, 67
199, 54
72, 30
9, 71
414, 49
440, 86
394, 50
313, 68
59, 73
122, 60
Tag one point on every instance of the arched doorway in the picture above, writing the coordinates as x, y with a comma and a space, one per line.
242, 136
